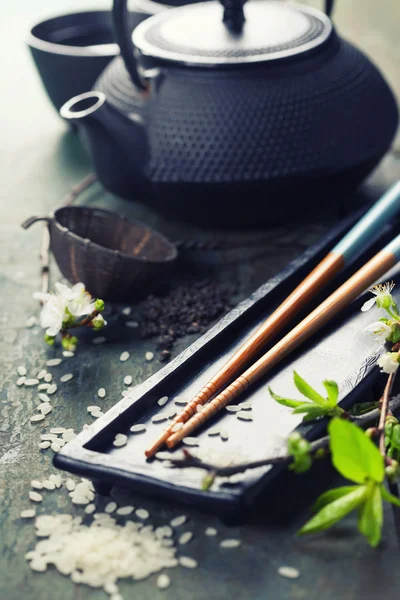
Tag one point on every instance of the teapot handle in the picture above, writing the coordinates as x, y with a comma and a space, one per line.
122, 33
28, 222
329, 7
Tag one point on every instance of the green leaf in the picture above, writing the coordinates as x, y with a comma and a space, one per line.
332, 391
305, 407
354, 454
335, 511
332, 495
307, 391
370, 516
285, 401
389, 497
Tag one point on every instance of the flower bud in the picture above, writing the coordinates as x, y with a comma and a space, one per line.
49, 339
384, 301
98, 323
392, 470
99, 305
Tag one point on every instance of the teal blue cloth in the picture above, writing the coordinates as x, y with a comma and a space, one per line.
369, 226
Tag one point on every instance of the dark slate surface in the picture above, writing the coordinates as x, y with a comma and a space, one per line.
40, 160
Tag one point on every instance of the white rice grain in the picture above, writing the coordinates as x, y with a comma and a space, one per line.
21, 381
54, 362
48, 377
289, 572
35, 497
162, 401
44, 445
28, 514
244, 416
101, 392
125, 510
178, 521
163, 581
211, 531
188, 562
52, 389
149, 356
31, 382
185, 538
142, 513
99, 340
190, 441
37, 485
36, 418
21, 370
138, 428
230, 543
128, 379
159, 418
67, 377
110, 507
124, 356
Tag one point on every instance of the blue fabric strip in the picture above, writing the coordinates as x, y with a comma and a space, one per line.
369, 226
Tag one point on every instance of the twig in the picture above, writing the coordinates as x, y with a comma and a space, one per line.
45, 247
384, 412
323, 443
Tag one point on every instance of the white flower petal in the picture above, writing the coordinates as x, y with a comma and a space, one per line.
380, 330
388, 362
368, 304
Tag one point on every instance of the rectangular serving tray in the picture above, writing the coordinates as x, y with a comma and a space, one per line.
341, 351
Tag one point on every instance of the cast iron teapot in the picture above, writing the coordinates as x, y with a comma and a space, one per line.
235, 114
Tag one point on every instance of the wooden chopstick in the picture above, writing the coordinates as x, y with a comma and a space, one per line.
325, 312
352, 243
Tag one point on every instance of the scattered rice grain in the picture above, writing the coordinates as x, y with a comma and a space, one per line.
142, 513
55, 447
66, 377
21, 370
44, 386
45, 408
31, 382
37, 485
21, 381
54, 362
68, 354
49, 485
44, 398
139, 428
52, 389
149, 356
180, 401
188, 562
176, 427
159, 418
232, 409
162, 401
58, 430
90, 509
28, 514
35, 497
101, 392
124, 356
230, 543
99, 340
125, 510
211, 531
36, 418
70, 485
224, 435
163, 581
48, 377
190, 441
244, 416
289, 572
132, 324
214, 431
128, 379
185, 538
178, 521
110, 507
44, 445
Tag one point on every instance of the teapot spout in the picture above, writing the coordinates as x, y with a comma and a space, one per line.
117, 145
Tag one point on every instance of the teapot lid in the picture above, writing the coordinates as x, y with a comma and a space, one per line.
211, 33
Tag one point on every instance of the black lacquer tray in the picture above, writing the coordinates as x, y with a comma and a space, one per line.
342, 352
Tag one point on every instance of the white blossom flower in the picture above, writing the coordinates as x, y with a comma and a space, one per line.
389, 362
80, 302
65, 302
381, 293
380, 330
53, 312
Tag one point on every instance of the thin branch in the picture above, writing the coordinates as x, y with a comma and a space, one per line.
384, 412
192, 461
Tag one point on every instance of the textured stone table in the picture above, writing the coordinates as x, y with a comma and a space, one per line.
40, 160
